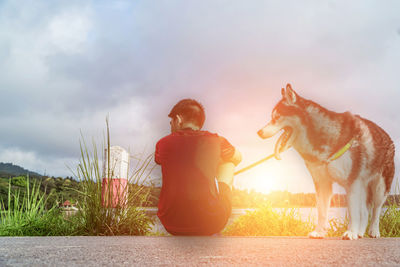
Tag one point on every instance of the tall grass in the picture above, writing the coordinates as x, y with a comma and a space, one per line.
389, 225
265, 221
95, 218
26, 214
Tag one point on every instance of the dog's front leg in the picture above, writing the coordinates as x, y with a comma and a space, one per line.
323, 189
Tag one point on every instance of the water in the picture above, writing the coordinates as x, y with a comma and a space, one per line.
305, 214
312, 213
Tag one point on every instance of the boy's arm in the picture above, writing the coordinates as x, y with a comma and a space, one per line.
229, 153
157, 157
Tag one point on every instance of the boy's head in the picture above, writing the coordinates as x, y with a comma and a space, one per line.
187, 113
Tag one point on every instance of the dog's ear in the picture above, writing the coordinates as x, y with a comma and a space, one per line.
290, 94
283, 92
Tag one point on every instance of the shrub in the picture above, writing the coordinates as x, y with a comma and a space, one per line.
19, 181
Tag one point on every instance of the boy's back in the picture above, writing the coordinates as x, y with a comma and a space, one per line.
189, 201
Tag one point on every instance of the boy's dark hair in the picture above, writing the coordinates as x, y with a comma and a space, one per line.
190, 110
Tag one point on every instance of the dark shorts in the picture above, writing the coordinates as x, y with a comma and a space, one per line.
213, 220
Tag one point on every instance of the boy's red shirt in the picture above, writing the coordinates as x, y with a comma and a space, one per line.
189, 161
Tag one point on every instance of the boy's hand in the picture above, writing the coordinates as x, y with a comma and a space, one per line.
236, 158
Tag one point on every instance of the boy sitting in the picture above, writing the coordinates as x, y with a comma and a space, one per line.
191, 203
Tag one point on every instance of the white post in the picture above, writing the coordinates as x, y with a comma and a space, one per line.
115, 177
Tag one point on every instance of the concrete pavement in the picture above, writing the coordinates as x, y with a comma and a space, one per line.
194, 251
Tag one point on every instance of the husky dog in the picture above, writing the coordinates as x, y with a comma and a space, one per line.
337, 147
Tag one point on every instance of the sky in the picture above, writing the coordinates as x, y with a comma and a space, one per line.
66, 65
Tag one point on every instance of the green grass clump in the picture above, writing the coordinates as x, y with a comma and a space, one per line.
337, 227
389, 225
266, 221
26, 214
93, 217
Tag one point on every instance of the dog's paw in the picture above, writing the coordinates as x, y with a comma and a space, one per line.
361, 234
374, 233
316, 235
349, 235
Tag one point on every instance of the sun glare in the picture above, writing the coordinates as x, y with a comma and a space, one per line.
264, 183
289, 174
260, 180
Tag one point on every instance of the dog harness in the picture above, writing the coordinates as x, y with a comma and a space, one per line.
341, 151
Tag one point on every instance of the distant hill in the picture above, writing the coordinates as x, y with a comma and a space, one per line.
9, 169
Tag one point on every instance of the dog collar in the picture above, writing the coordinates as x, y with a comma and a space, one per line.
341, 151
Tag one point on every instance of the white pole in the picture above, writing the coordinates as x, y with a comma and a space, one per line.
115, 187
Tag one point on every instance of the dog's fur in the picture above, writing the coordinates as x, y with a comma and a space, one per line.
365, 170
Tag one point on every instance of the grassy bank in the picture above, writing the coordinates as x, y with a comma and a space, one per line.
26, 213
267, 221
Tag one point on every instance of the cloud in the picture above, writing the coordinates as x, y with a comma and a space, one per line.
66, 65
32, 161
68, 31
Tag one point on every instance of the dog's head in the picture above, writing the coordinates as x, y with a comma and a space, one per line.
286, 116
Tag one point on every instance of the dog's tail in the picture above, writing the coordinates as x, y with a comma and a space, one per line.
388, 168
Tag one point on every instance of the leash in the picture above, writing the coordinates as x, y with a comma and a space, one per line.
332, 158
254, 164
